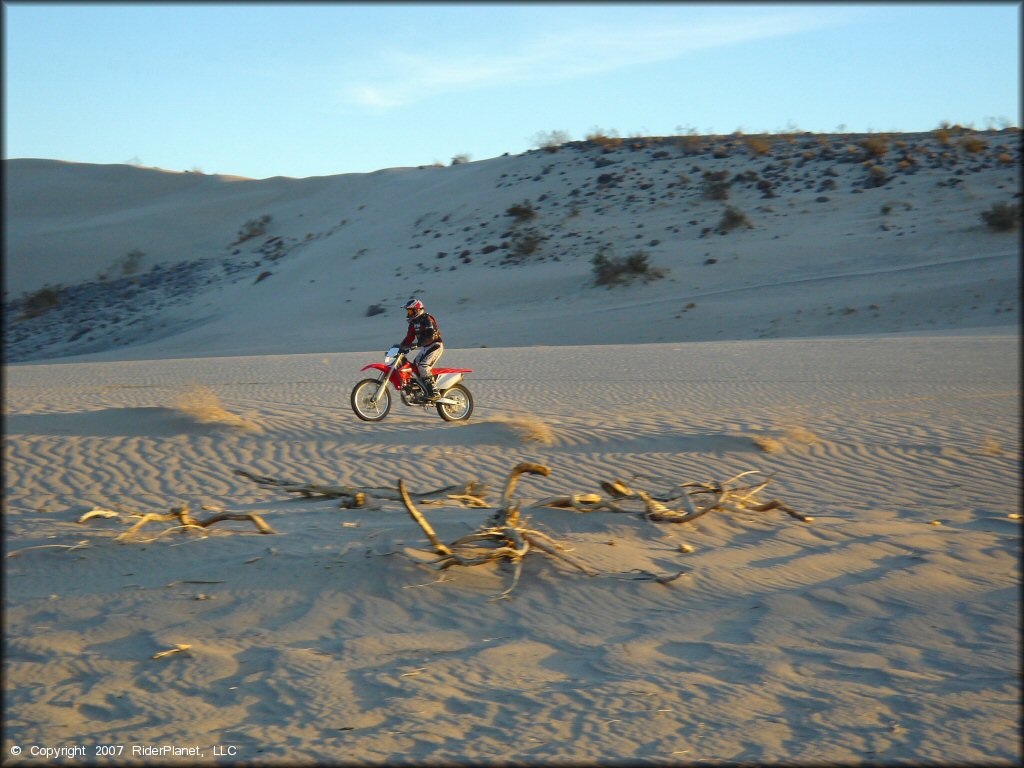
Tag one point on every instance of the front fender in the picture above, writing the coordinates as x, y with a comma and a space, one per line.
396, 378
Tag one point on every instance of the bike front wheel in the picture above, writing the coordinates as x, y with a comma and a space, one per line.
462, 408
364, 402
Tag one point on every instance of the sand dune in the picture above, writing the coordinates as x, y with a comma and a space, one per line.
857, 345
828, 248
871, 634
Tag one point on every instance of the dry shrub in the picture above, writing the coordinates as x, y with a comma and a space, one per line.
792, 435
716, 185
529, 429
1002, 217
875, 146
253, 228
551, 141
877, 176
524, 246
40, 302
202, 404
973, 144
521, 212
758, 145
767, 443
611, 270
733, 218
604, 139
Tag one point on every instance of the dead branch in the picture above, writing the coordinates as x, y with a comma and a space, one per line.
510, 538
697, 499
579, 502
471, 493
68, 547
186, 521
421, 520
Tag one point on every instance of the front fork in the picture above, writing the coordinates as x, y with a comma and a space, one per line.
384, 380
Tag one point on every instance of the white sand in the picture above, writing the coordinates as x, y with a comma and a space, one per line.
885, 630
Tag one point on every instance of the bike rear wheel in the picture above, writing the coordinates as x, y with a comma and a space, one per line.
363, 403
463, 407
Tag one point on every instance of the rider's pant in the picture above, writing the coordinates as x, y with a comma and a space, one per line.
427, 358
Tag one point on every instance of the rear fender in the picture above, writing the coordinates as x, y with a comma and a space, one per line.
447, 378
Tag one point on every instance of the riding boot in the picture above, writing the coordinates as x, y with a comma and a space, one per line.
431, 389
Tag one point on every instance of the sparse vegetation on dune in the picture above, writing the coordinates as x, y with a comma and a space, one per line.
40, 302
606, 195
1002, 217
253, 228
522, 212
125, 266
204, 406
733, 218
612, 270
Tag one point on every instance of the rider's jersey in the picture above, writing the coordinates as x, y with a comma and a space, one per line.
423, 331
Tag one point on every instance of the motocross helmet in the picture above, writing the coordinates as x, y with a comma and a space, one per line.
414, 308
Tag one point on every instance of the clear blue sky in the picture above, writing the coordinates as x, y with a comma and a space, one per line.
319, 89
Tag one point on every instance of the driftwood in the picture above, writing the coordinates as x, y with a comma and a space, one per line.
697, 499
470, 493
178, 648
507, 535
694, 499
507, 538
186, 521
68, 547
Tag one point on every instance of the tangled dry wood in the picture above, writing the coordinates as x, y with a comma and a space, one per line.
508, 535
725, 497
509, 538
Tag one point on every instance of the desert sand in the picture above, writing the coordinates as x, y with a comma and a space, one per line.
885, 630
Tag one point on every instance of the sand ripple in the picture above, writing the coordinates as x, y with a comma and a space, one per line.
870, 632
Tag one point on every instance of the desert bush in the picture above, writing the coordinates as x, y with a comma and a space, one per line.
1002, 217
733, 218
690, 141
612, 270
40, 302
374, 309
550, 141
716, 185
253, 228
607, 139
522, 212
877, 176
875, 146
973, 144
460, 159
125, 266
524, 245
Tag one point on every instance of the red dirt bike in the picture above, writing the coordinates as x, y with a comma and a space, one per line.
371, 398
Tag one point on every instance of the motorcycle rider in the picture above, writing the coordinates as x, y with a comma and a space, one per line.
423, 333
